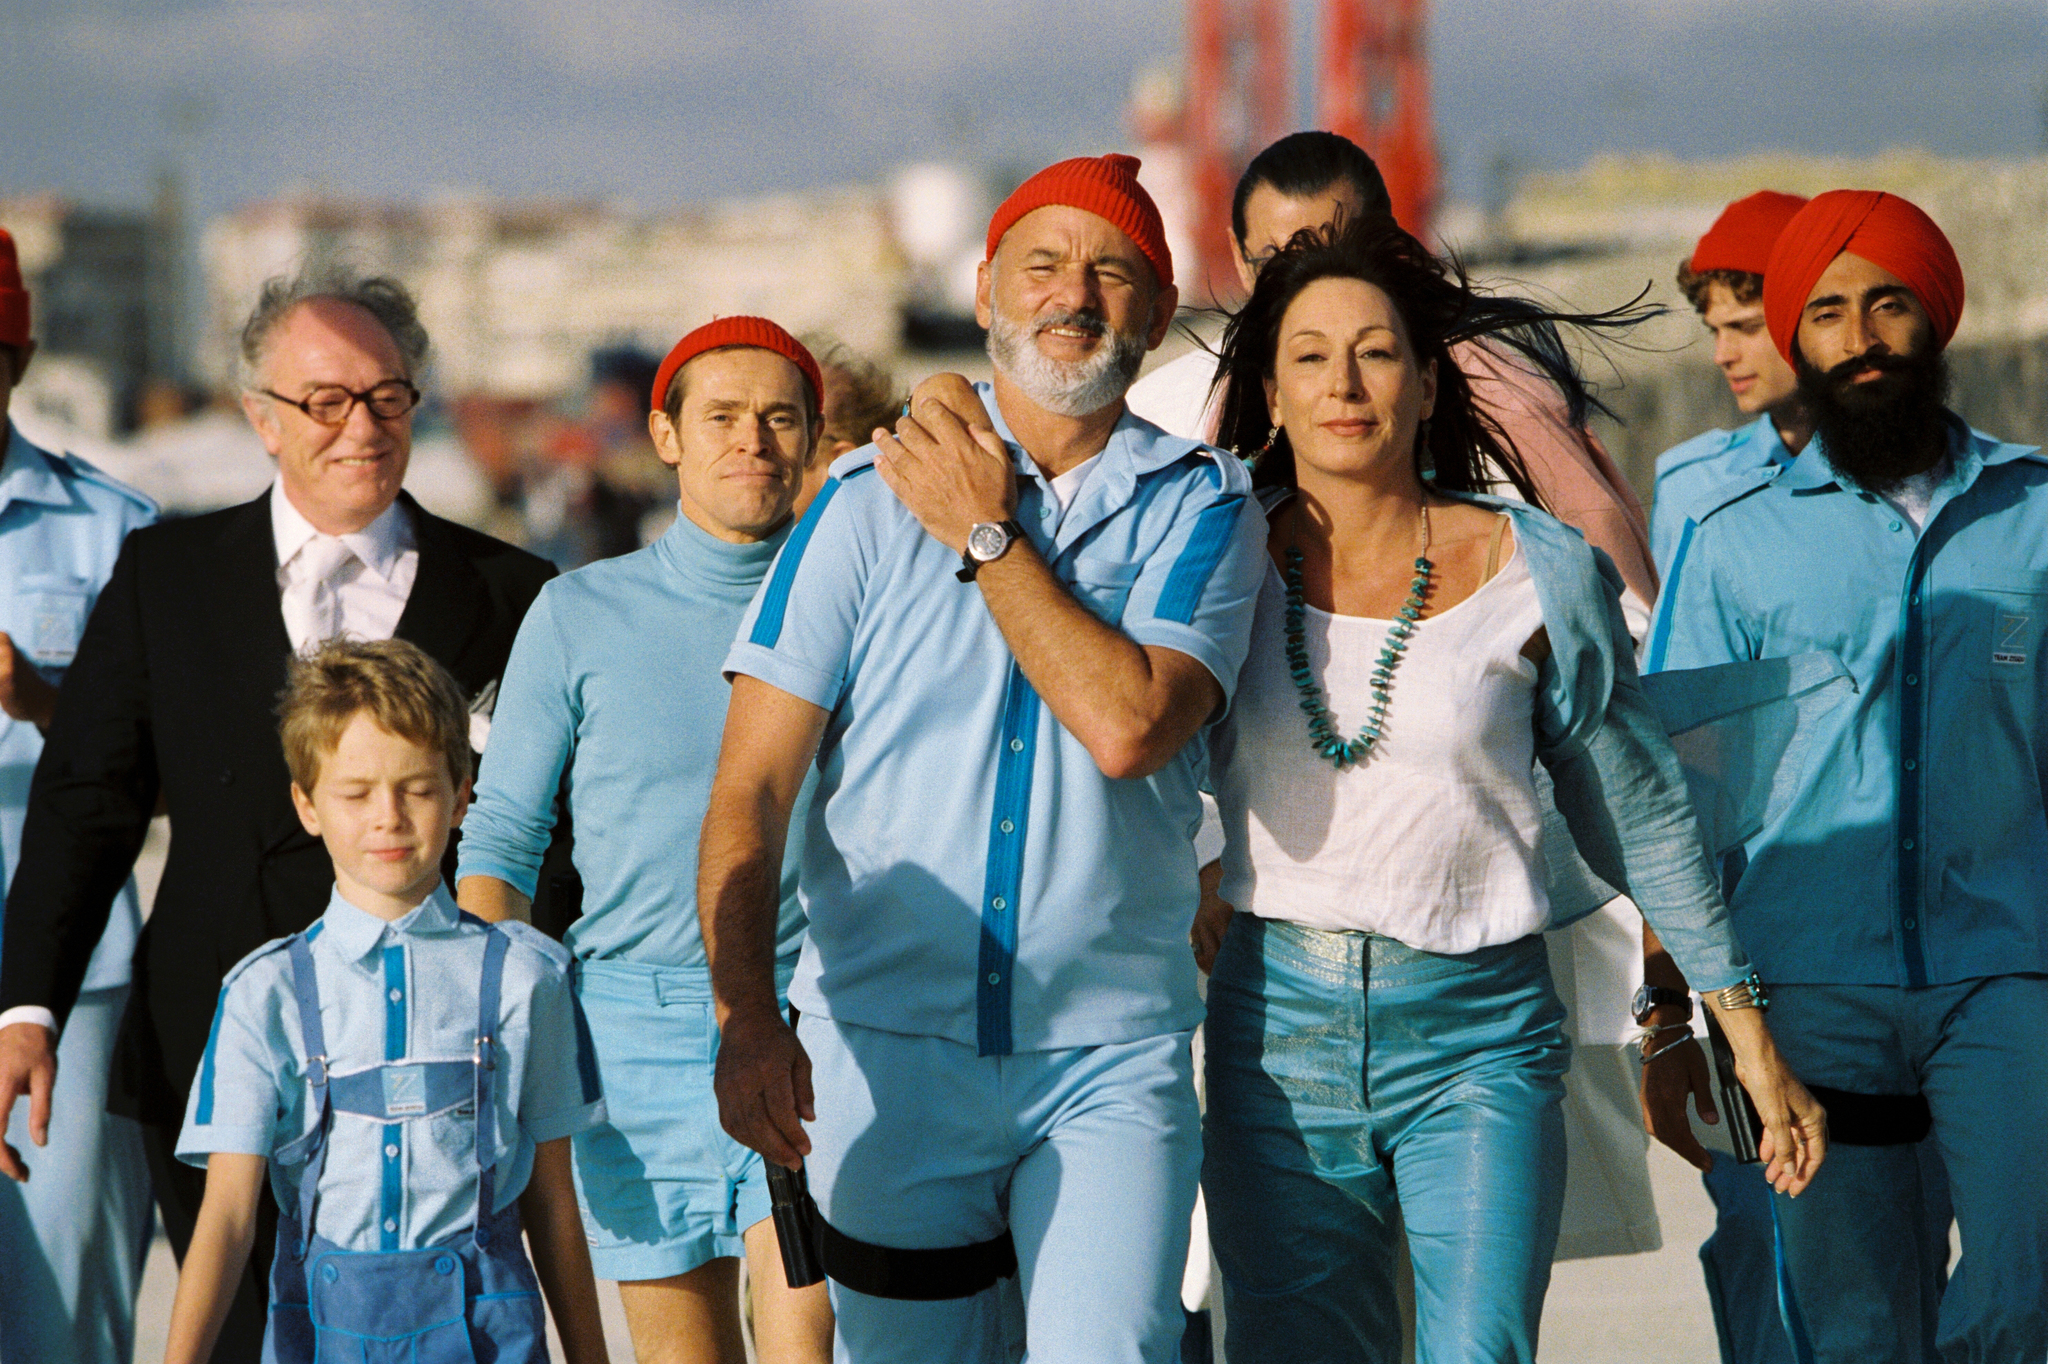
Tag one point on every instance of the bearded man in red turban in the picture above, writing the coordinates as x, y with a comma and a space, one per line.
1898, 905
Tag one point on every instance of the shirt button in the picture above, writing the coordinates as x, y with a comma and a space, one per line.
1016, 745
1907, 844
1912, 923
391, 1224
227, 777
1912, 679
999, 903
1912, 766
995, 978
1007, 827
396, 995
391, 1153
1913, 600
1897, 526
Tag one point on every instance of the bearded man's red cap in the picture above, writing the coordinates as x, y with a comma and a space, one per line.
1742, 237
1106, 186
757, 332
13, 295
1889, 232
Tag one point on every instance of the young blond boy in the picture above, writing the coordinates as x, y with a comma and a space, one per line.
367, 1062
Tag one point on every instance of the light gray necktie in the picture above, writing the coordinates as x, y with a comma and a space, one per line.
312, 601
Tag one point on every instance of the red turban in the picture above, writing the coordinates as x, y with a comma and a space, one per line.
13, 296
1885, 230
1106, 186
757, 332
1742, 237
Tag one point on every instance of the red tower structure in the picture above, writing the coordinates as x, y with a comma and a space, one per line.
1238, 99
1374, 89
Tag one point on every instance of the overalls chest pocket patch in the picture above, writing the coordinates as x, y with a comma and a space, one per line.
1102, 585
45, 617
2008, 628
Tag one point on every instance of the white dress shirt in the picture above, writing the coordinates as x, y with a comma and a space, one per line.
363, 595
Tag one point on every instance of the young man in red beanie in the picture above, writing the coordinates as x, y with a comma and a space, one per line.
997, 647
79, 1227
613, 695
1896, 906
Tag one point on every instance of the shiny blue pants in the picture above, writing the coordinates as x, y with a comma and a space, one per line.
1350, 1076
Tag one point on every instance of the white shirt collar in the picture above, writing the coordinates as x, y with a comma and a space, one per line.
378, 544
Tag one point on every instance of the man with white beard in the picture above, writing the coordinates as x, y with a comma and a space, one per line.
1020, 631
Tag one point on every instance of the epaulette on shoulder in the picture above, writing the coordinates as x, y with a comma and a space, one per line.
269, 949
531, 938
1740, 491
92, 473
1706, 445
1233, 475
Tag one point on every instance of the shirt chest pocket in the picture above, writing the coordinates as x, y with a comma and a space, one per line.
2007, 626
45, 616
1101, 584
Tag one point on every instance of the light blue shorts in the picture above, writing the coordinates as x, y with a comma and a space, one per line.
662, 1188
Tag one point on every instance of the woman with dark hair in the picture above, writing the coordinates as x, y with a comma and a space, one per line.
1383, 1033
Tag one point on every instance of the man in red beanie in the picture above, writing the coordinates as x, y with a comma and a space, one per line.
1897, 908
613, 696
997, 645
74, 1235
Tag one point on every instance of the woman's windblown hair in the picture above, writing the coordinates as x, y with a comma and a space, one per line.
1466, 447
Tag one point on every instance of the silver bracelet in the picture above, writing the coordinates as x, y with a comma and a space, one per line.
1649, 1056
1747, 993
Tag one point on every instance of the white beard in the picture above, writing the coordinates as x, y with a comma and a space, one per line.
1066, 389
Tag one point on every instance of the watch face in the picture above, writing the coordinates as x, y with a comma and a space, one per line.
987, 540
1640, 1005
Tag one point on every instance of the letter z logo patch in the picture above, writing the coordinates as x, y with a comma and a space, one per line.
2009, 638
405, 1091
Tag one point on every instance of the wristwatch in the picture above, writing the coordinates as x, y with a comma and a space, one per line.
986, 541
1650, 998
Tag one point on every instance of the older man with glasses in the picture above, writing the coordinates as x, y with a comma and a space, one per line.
171, 697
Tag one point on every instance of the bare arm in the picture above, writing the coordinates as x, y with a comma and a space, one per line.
764, 1078
1132, 707
492, 900
1667, 1083
219, 1252
561, 1257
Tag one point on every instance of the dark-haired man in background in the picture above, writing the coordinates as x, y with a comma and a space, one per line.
1898, 907
171, 696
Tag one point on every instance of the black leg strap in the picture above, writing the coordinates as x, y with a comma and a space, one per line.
1874, 1119
915, 1275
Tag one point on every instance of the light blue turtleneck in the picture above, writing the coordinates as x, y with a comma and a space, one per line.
615, 680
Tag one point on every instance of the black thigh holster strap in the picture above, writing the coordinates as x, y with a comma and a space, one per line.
915, 1275
1874, 1119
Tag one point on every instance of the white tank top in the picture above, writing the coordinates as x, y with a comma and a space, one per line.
1434, 839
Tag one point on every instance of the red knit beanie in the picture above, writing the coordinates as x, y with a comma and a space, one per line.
13, 296
1106, 186
757, 332
1742, 237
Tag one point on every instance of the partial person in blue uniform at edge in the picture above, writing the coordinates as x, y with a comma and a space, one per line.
614, 693
407, 1075
1897, 905
73, 1237
998, 646
1417, 649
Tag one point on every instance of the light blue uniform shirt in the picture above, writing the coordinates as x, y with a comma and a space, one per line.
1699, 475
615, 679
969, 872
1916, 850
394, 991
61, 527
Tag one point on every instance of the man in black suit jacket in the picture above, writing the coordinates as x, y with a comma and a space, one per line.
172, 697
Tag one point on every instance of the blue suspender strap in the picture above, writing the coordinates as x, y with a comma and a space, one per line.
307, 987
488, 990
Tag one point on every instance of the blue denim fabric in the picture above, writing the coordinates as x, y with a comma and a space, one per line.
1336, 1060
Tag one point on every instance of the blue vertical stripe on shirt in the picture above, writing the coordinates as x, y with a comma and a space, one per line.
1003, 881
1915, 676
775, 599
1191, 572
1660, 631
393, 1196
206, 1066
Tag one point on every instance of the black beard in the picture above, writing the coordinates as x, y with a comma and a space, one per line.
1881, 432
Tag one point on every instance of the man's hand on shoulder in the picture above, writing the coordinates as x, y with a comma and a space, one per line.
28, 1065
946, 465
24, 693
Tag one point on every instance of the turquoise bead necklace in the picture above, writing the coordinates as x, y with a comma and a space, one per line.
1323, 737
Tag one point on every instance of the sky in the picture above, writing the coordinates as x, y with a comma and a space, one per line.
656, 103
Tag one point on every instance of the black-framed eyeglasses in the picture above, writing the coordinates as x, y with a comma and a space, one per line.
330, 404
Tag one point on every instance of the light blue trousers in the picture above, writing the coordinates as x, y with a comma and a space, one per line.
1089, 1156
73, 1239
1857, 1247
1349, 1075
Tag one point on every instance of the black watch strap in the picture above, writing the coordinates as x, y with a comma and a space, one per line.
1652, 997
969, 565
